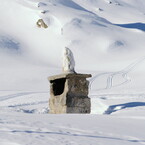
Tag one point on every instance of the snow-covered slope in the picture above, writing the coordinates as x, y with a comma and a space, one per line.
111, 31
107, 40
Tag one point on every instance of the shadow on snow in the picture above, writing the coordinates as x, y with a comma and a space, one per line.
118, 107
140, 26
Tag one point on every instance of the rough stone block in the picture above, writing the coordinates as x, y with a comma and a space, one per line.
69, 94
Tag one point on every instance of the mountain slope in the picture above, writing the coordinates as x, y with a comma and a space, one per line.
83, 26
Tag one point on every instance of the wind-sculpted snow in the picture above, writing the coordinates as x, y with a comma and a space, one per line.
69, 3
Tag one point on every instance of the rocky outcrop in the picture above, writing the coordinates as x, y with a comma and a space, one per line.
41, 24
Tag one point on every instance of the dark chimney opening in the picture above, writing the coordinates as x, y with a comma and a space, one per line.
58, 86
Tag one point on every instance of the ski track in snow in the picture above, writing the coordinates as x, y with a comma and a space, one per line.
68, 136
7, 97
111, 75
29, 106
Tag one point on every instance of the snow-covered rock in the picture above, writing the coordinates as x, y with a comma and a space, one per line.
68, 61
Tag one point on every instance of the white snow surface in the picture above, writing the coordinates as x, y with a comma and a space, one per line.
107, 38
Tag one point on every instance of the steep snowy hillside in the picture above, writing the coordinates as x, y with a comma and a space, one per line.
107, 40
106, 37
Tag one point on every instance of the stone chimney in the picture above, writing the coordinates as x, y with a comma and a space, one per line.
69, 90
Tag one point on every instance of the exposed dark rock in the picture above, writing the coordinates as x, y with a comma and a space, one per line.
40, 23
